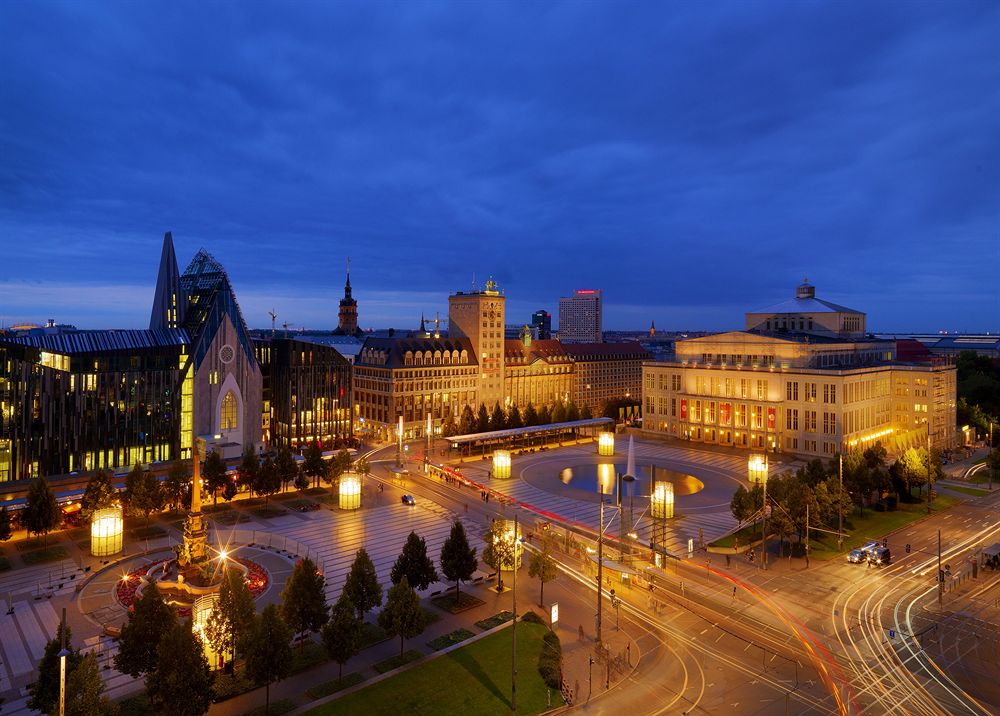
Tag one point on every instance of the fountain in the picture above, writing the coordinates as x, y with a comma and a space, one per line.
192, 574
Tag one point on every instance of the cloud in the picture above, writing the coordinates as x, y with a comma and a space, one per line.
690, 160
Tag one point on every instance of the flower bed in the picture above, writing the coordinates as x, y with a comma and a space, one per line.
256, 579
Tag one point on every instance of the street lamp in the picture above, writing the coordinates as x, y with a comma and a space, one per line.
757, 473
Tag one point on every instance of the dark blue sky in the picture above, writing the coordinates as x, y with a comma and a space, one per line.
694, 160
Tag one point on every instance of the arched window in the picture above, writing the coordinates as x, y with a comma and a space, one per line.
227, 418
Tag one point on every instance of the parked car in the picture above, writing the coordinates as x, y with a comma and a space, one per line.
409, 500
869, 547
856, 556
879, 557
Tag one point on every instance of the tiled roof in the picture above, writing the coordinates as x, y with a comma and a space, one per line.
605, 351
396, 349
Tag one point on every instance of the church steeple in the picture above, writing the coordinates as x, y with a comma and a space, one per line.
169, 301
348, 324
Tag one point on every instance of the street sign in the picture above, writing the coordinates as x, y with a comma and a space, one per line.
892, 633
554, 615
690, 546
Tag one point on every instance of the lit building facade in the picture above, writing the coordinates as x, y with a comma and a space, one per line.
810, 394
541, 322
537, 372
307, 394
414, 378
580, 317
604, 372
85, 400
479, 317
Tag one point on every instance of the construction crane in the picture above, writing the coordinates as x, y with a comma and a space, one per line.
285, 325
273, 316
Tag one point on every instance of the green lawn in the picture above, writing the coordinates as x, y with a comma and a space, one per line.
982, 477
49, 554
472, 680
874, 525
967, 490
862, 529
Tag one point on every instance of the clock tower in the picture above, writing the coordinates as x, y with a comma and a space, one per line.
479, 316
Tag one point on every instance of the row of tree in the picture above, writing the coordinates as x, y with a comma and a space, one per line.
499, 419
866, 479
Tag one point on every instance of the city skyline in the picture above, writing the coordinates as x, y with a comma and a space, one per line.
693, 163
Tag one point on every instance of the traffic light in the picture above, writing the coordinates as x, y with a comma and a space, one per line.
941, 575
907, 547
947, 570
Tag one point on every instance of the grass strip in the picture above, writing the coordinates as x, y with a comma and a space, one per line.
408, 656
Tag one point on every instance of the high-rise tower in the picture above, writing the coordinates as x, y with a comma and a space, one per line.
479, 316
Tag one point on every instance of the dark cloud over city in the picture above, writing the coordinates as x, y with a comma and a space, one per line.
693, 160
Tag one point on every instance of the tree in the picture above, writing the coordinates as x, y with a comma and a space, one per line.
482, 419
402, 615
572, 412
213, 475
414, 564
5, 528
301, 480
361, 585
286, 466
498, 549
313, 464
530, 416
342, 633
85, 690
45, 691
146, 495
558, 412
148, 620
458, 559
544, 415
182, 683
467, 423
586, 413
303, 600
875, 456
363, 467
498, 420
269, 651
267, 481
229, 490
514, 419
176, 484
992, 463
840, 500
100, 494
41, 511
449, 427
340, 464
542, 565
746, 503
232, 617
246, 473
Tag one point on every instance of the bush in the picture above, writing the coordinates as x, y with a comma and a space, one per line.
532, 617
550, 661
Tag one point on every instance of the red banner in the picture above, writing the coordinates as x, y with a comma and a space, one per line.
684, 409
724, 409
770, 419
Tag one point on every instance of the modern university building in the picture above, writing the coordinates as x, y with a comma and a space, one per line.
82, 400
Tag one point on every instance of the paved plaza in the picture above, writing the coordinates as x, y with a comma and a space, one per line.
85, 586
704, 514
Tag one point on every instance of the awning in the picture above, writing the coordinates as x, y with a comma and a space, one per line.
615, 566
993, 551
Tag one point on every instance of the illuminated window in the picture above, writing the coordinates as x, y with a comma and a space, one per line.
227, 418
